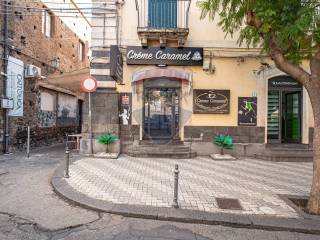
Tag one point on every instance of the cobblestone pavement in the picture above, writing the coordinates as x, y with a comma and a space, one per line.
143, 181
30, 210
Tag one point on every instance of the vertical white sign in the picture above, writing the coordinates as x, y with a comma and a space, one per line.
15, 85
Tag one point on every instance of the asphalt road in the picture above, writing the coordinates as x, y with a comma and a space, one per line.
29, 209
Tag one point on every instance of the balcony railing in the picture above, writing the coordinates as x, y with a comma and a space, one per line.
162, 14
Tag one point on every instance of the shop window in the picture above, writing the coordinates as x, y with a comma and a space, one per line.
47, 23
81, 51
47, 102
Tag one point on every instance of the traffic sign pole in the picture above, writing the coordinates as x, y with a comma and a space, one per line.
89, 85
90, 125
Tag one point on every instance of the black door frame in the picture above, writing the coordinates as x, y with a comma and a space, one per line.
284, 112
174, 130
281, 94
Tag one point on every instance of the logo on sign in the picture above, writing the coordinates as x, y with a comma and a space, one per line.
196, 56
211, 101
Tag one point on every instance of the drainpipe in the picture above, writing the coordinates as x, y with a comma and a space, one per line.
5, 66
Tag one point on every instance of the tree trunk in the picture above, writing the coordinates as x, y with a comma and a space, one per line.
312, 83
314, 199
221, 151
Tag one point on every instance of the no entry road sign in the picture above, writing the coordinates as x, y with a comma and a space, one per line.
89, 85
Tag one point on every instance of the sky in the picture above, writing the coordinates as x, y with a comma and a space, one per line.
84, 4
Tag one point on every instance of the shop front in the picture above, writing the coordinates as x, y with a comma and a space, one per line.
284, 110
169, 102
175, 99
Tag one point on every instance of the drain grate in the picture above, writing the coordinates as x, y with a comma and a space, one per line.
229, 203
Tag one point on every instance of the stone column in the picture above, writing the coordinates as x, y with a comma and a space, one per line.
105, 107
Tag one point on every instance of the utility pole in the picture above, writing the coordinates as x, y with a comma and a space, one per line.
5, 66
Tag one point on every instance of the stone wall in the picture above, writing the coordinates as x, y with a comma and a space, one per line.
33, 47
36, 48
105, 116
239, 134
45, 125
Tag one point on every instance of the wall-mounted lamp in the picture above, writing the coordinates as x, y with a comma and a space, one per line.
207, 64
55, 63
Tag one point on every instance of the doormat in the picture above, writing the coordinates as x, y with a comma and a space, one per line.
229, 203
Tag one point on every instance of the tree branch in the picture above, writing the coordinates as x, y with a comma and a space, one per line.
284, 65
252, 20
277, 53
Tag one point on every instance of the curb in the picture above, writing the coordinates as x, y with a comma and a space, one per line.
307, 224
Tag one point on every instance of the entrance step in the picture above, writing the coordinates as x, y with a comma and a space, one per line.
286, 153
161, 150
161, 141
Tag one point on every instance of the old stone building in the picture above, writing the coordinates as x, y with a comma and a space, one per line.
182, 81
43, 46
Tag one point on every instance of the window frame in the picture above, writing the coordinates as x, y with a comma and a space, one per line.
46, 17
81, 51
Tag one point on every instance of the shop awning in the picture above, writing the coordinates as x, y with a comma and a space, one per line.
170, 73
71, 80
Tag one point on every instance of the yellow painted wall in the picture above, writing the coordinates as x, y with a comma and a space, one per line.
233, 75
231, 72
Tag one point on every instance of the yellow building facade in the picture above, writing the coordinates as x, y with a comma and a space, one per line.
180, 80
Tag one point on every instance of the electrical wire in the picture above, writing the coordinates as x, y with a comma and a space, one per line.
111, 2
65, 12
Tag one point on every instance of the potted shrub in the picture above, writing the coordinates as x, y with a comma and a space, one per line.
106, 139
223, 142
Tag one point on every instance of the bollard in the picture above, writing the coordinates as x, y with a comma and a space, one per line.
67, 139
66, 173
28, 142
176, 184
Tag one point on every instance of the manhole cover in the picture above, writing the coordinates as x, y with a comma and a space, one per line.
229, 203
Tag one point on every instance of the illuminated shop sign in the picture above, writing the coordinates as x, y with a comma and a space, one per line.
211, 101
164, 56
284, 82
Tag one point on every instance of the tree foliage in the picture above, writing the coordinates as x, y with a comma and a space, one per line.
293, 24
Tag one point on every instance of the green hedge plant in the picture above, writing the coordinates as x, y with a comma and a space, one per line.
106, 139
224, 142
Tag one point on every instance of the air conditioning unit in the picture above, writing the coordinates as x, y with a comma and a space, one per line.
32, 71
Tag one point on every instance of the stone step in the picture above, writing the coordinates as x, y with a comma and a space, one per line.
304, 150
284, 158
288, 152
160, 141
159, 149
173, 155
288, 146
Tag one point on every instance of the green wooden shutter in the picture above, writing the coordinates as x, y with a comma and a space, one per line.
162, 13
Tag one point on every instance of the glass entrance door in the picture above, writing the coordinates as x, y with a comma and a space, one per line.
274, 111
161, 113
291, 117
284, 116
